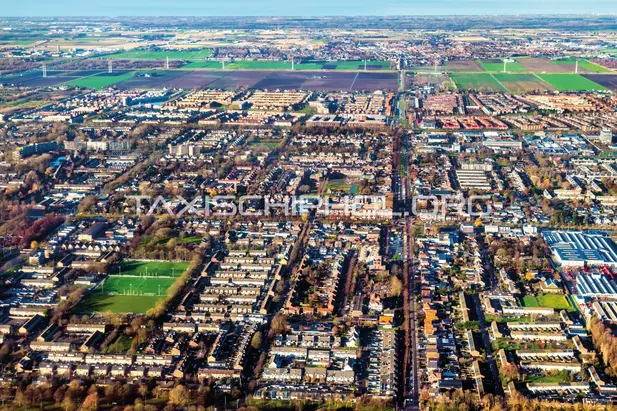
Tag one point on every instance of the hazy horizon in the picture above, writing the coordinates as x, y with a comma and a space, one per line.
316, 8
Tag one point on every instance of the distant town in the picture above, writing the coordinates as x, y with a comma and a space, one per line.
397, 213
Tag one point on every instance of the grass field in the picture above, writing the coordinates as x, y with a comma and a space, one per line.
205, 64
359, 64
559, 377
512, 67
258, 65
476, 81
136, 287
100, 81
556, 301
200, 54
584, 64
120, 304
570, 82
152, 268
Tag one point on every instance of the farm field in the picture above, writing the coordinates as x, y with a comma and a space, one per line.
606, 80
521, 83
556, 301
542, 65
99, 81
570, 82
497, 66
258, 65
464, 65
359, 65
476, 81
584, 66
163, 54
205, 64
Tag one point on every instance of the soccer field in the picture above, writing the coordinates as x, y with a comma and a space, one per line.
134, 288
151, 269
121, 285
119, 304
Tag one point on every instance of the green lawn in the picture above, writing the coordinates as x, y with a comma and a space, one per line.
100, 81
561, 376
197, 54
511, 67
119, 304
476, 81
570, 82
556, 301
585, 64
340, 185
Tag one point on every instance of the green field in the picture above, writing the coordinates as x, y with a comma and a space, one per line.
585, 64
258, 65
198, 54
556, 301
512, 67
559, 377
205, 64
152, 268
476, 81
570, 82
135, 288
120, 304
100, 81
340, 185
359, 64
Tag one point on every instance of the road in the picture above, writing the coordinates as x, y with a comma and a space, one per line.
486, 341
413, 394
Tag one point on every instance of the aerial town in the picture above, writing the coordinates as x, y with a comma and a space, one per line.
288, 214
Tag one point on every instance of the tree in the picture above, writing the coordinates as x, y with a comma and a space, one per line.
91, 402
179, 396
396, 286
256, 340
279, 325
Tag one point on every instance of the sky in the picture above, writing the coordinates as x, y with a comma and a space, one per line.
301, 7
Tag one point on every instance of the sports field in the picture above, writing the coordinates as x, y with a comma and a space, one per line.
556, 301
135, 288
570, 82
197, 54
151, 269
100, 81
476, 81
120, 304
497, 67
